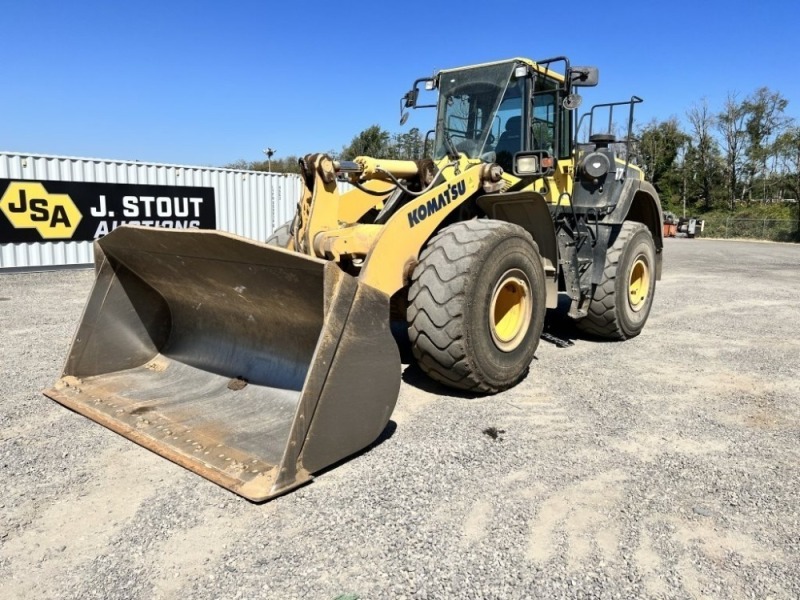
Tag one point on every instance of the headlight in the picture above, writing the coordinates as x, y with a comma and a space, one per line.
527, 165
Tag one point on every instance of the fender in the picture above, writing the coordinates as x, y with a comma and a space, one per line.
639, 202
398, 244
530, 211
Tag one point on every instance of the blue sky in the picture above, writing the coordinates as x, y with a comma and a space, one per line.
207, 83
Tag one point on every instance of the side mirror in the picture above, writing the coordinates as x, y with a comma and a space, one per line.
584, 76
533, 163
410, 99
406, 102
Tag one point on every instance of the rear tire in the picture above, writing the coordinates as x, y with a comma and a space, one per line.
281, 236
477, 305
621, 302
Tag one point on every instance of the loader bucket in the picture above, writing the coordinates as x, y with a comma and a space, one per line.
250, 365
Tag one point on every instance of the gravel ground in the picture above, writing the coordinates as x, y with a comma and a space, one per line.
662, 467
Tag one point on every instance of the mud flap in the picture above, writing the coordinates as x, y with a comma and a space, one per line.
248, 364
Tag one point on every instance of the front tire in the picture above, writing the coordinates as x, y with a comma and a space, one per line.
621, 302
477, 305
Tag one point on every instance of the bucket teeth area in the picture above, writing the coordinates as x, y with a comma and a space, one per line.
234, 437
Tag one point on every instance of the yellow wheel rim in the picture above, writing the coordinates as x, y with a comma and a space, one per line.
639, 285
510, 310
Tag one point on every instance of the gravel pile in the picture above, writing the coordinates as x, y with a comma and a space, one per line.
667, 466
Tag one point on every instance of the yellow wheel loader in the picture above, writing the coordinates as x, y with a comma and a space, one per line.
257, 365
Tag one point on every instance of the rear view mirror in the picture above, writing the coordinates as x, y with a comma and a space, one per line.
410, 99
584, 76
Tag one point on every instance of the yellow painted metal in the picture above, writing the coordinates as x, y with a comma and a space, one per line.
562, 181
553, 186
543, 70
510, 310
319, 207
354, 203
399, 243
376, 168
638, 284
355, 241
621, 163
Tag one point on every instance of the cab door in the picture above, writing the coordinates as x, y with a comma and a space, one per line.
550, 130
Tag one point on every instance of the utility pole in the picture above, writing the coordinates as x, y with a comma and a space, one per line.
269, 152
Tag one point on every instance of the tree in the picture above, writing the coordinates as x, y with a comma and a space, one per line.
730, 124
703, 154
660, 143
408, 146
765, 122
788, 150
373, 141
289, 164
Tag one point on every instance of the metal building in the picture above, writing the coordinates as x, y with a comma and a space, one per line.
37, 228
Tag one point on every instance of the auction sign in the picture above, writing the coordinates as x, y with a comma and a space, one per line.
58, 211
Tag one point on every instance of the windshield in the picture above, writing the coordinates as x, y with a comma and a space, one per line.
480, 110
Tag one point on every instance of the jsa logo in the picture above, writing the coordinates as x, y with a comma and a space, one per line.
28, 205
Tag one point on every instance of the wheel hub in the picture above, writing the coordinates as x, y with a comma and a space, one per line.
510, 310
639, 284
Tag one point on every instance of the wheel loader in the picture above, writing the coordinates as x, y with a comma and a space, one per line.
257, 365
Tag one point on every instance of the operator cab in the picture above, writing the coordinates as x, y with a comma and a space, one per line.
482, 112
501, 111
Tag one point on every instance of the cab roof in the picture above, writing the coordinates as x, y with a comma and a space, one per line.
526, 61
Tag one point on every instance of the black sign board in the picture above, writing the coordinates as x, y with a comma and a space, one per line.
59, 211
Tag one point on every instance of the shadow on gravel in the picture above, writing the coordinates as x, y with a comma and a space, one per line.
559, 330
386, 434
414, 376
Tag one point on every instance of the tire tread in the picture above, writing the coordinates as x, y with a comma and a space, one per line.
602, 319
437, 297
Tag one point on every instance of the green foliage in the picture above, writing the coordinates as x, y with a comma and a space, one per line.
377, 142
730, 125
408, 145
660, 143
765, 118
779, 211
749, 151
764, 124
373, 141
702, 167
787, 148
774, 221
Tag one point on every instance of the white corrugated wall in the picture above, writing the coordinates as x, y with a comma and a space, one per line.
248, 203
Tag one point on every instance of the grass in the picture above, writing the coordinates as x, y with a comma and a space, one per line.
773, 221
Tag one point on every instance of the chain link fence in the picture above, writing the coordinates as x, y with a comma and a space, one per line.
776, 230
